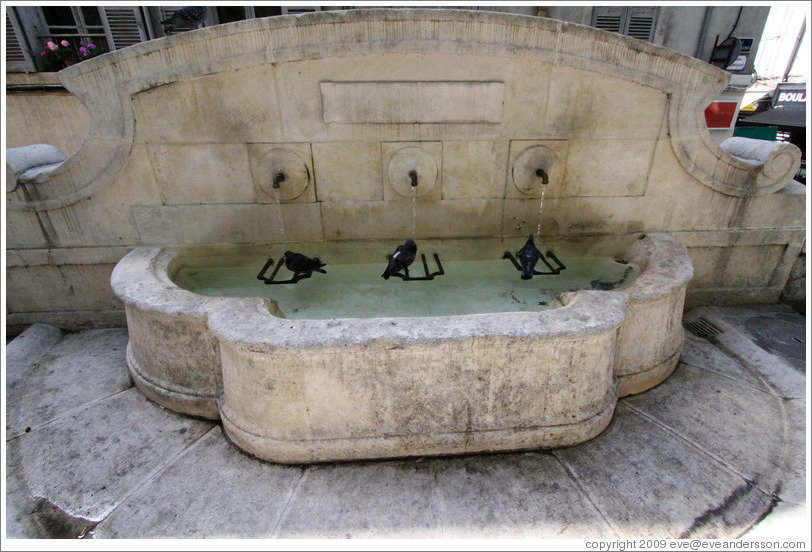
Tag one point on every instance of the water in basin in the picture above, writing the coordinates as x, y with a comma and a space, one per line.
358, 291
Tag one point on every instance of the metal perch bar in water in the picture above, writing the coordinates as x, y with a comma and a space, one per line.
296, 275
550, 255
429, 276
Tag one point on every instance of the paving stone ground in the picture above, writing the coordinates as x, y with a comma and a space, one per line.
716, 451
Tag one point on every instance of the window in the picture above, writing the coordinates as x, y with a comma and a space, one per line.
635, 22
108, 27
28, 27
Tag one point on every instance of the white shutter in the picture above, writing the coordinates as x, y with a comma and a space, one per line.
124, 26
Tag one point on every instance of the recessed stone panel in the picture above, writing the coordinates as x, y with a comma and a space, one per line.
389, 219
401, 158
474, 169
202, 173
412, 102
528, 156
348, 171
282, 173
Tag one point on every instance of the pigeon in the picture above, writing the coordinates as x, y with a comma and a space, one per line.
187, 17
403, 257
528, 257
298, 263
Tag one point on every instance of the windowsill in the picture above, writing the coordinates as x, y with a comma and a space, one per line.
30, 82
32, 78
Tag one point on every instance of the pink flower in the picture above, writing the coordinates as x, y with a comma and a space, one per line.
50, 45
44, 54
91, 46
83, 51
65, 43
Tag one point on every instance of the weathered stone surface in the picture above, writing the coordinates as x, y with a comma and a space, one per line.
63, 379
379, 500
642, 477
663, 486
196, 495
519, 489
412, 102
87, 462
342, 87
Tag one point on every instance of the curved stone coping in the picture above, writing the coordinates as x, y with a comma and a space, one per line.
105, 84
249, 323
664, 267
651, 338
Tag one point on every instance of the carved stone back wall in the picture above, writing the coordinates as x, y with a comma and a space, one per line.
196, 139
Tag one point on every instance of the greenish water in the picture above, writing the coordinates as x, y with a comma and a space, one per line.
358, 291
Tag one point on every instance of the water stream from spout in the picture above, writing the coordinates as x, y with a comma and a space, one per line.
281, 220
541, 206
414, 212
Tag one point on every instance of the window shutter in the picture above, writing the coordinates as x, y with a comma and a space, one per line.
635, 22
641, 23
124, 26
16, 58
299, 9
608, 18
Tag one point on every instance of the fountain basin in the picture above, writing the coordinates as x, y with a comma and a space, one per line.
326, 389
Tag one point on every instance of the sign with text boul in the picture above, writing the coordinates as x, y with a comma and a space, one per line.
790, 95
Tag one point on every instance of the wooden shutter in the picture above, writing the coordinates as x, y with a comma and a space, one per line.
17, 59
608, 18
299, 9
635, 22
124, 26
641, 23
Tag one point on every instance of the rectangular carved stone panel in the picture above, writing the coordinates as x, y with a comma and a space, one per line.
412, 102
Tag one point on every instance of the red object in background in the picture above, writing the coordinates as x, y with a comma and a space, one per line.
720, 114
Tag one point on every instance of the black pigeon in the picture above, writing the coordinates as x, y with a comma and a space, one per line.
189, 17
403, 257
298, 263
528, 257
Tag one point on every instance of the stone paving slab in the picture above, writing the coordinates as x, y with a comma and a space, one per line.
737, 344
212, 490
649, 483
26, 350
740, 427
528, 495
710, 452
81, 368
701, 353
88, 462
390, 499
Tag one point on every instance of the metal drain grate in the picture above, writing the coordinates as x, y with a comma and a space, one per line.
701, 328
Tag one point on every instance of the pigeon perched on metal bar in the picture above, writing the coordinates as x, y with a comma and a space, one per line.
403, 257
528, 257
298, 263
186, 18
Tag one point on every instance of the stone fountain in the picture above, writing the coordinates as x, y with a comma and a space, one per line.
447, 125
